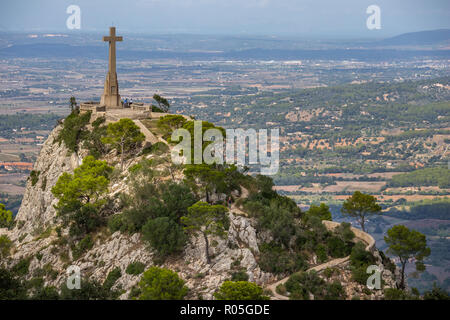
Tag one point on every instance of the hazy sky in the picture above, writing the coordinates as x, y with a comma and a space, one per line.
336, 18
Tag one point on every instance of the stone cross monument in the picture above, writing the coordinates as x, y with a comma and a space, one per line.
110, 96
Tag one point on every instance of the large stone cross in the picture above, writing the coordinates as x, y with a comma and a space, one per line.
111, 97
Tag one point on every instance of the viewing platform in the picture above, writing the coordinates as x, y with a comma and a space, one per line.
135, 111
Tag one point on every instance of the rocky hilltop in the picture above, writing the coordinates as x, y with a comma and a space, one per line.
41, 238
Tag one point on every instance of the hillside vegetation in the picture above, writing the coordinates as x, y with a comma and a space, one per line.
126, 210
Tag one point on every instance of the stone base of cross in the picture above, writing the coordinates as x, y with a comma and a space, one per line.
111, 97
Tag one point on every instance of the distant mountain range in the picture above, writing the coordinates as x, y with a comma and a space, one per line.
47, 50
419, 38
366, 52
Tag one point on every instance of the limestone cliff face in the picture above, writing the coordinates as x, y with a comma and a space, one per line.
35, 237
37, 212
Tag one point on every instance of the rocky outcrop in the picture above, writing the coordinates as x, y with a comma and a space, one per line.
37, 237
37, 212
239, 248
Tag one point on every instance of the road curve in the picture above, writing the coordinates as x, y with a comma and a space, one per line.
330, 225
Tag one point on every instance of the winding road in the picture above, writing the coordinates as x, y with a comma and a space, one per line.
359, 234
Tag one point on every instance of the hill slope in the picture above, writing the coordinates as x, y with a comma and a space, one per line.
45, 246
430, 37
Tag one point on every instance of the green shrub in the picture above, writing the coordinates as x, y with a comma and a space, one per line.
35, 282
84, 245
49, 271
254, 208
321, 252
337, 248
387, 262
169, 123
274, 212
344, 232
45, 234
436, 293
34, 176
360, 259
58, 231
73, 130
115, 223
236, 263
156, 109
11, 287
21, 267
150, 201
44, 183
93, 138
135, 268
240, 290
302, 285
275, 259
359, 274
322, 212
281, 289
329, 272
239, 276
45, 293
81, 195
335, 291
314, 233
280, 222
125, 137
159, 148
134, 293
359, 256
146, 150
164, 235
5, 246
161, 284
396, 294
22, 237
89, 290
366, 291
111, 279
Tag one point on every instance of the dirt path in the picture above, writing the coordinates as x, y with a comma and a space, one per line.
359, 234
320, 267
330, 225
148, 135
